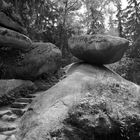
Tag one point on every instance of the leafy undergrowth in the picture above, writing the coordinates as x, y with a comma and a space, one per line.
124, 67
46, 81
109, 112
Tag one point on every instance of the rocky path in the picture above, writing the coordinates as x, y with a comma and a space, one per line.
10, 115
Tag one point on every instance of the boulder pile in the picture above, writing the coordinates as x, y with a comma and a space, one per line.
21, 58
22, 61
91, 103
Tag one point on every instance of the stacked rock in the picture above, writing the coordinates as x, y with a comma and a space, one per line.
91, 103
98, 49
21, 62
20, 57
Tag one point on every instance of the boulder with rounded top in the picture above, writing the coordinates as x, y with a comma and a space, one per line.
42, 58
12, 39
98, 49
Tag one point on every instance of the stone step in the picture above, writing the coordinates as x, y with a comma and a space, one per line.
36, 94
24, 100
30, 96
3, 129
18, 105
18, 112
5, 111
9, 118
7, 127
10, 132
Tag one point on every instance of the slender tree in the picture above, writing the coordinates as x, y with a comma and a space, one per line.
65, 9
119, 17
94, 15
132, 20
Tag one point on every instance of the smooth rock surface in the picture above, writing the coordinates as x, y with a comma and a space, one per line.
7, 22
13, 39
11, 89
42, 58
92, 102
46, 57
98, 49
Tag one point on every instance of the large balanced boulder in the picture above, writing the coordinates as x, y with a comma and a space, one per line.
91, 103
42, 58
13, 39
10, 90
98, 49
7, 22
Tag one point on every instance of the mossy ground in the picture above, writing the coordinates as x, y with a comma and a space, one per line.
110, 112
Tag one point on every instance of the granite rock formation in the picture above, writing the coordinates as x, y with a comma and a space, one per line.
20, 58
42, 58
98, 49
92, 102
